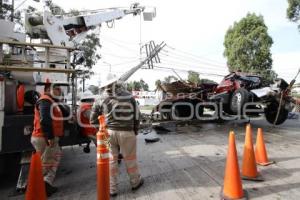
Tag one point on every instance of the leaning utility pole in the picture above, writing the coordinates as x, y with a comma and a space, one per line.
148, 59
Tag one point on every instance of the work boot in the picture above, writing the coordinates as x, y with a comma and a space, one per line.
113, 194
139, 185
50, 189
120, 157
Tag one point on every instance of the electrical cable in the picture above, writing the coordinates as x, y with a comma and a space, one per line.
194, 60
192, 55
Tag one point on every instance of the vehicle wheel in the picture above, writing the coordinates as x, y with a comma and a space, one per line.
238, 100
181, 111
271, 112
200, 111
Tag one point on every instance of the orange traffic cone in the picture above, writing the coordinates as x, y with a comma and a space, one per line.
249, 169
36, 189
232, 188
102, 162
260, 150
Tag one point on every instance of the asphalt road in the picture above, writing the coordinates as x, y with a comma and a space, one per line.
204, 143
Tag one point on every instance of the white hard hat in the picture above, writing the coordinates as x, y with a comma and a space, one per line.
111, 78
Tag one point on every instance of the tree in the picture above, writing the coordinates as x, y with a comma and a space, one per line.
170, 79
193, 77
204, 80
247, 47
137, 85
144, 85
94, 89
90, 44
54, 8
5, 9
7, 12
89, 47
157, 84
293, 11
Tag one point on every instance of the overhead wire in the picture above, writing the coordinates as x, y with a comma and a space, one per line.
179, 57
184, 70
191, 64
118, 56
188, 67
122, 46
118, 40
192, 55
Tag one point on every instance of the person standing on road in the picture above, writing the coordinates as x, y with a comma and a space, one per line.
122, 120
48, 127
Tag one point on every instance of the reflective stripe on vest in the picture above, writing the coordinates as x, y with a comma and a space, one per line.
57, 123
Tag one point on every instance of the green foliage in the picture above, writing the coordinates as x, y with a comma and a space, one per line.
94, 89
157, 84
91, 43
204, 80
144, 85
74, 12
293, 11
137, 86
54, 8
170, 79
193, 77
89, 47
5, 9
247, 46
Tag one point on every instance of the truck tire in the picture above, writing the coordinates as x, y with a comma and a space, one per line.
271, 112
238, 100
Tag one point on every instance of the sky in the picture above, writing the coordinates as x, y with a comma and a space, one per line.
194, 32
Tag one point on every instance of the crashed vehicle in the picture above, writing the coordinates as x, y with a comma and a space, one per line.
238, 95
182, 100
238, 92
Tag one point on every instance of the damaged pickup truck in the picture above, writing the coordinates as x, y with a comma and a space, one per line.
239, 96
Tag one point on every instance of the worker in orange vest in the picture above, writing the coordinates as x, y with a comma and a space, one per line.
48, 127
86, 128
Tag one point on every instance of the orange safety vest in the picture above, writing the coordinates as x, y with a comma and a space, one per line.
87, 128
57, 122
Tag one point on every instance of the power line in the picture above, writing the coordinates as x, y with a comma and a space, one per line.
187, 63
122, 46
123, 63
191, 68
190, 60
184, 70
195, 56
118, 56
121, 41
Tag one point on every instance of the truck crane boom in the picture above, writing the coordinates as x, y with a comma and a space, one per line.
69, 31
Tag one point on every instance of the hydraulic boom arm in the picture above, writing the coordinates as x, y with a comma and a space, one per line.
69, 31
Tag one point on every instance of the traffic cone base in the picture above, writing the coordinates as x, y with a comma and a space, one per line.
257, 178
223, 197
260, 150
267, 163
